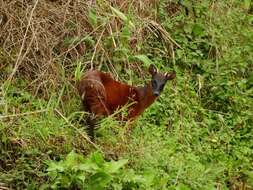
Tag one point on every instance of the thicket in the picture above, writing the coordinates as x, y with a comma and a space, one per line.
198, 135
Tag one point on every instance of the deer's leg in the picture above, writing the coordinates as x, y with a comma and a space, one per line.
91, 124
97, 107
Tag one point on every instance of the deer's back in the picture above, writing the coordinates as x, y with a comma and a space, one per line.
102, 95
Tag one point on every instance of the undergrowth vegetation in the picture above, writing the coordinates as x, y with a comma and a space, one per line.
198, 135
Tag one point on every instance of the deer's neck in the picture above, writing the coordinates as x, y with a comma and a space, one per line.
145, 95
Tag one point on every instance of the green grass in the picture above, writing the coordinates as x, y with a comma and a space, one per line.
197, 135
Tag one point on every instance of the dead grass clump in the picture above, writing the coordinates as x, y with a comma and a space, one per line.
173, 9
41, 40
32, 31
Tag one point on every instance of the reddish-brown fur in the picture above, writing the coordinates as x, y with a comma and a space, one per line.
102, 95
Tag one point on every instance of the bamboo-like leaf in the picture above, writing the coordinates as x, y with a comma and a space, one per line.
144, 59
122, 16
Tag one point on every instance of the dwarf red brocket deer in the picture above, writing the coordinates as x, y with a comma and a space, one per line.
102, 95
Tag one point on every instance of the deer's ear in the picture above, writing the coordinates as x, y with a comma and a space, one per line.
170, 76
152, 69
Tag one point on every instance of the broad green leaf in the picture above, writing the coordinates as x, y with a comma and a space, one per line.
114, 166
197, 30
99, 181
148, 177
89, 166
97, 158
144, 59
52, 166
72, 159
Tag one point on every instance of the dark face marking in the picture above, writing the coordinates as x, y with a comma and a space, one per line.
159, 79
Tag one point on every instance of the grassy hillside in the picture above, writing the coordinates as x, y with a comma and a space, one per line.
198, 135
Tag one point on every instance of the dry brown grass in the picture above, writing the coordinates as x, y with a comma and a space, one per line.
33, 38
32, 33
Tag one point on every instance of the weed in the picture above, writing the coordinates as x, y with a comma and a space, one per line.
198, 135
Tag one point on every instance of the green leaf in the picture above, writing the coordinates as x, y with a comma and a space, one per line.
97, 158
144, 59
114, 166
247, 4
71, 40
89, 41
72, 159
148, 177
52, 166
197, 30
81, 177
186, 3
89, 166
99, 181
182, 187
119, 14
79, 70
92, 16
126, 32
122, 16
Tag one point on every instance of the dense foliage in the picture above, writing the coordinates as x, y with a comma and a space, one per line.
198, 135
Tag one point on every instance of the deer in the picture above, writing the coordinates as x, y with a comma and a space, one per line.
101, 95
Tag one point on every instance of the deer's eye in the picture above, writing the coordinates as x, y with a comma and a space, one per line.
154, 83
